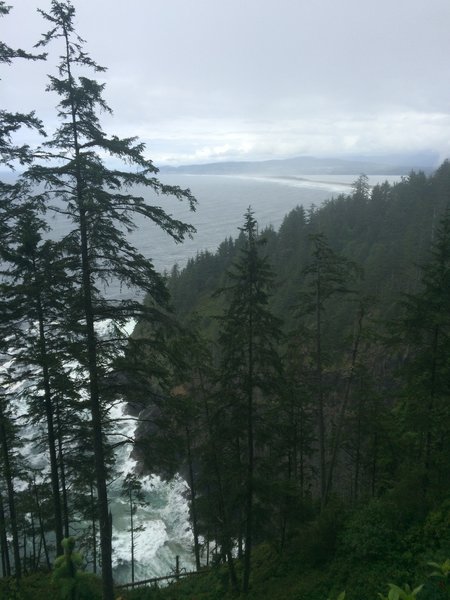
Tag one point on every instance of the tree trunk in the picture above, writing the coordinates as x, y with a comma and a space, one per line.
33, 544
94, 530
97, 433
374, 463
65, 504
193, 502
11, 495
250, 464
50, 425
320, 399
91, 344
41, 527
358, 454
24, 561
6, 566
430, 408
132, 535
341, 417
222, 507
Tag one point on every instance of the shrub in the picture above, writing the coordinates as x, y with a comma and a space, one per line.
371, 533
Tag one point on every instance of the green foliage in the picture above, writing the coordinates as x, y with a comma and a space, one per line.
441, 570
37, 586
437, 528
372, 532
246, 471
67, 565
398, 593
341, 596
317, 540
11, 589
71, 583
11, 123
425, 327
388, 229
387, 232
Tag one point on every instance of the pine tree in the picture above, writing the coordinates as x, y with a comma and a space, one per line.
425, 327
10, 154
101, 203
327, 275
36, 291
7, 443
10, 123
297, 430
132, 492
250, 367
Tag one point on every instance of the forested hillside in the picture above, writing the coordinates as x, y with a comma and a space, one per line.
387, 231
310, 411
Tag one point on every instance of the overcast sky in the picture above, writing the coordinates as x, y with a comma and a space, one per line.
207, 80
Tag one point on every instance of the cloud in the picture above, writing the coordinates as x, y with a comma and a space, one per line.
204, 80
336, 135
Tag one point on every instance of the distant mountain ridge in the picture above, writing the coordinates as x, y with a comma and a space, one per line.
308, 165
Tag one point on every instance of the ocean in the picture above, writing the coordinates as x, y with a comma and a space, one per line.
222, 202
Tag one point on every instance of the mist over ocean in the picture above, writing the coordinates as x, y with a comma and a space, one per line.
222, 202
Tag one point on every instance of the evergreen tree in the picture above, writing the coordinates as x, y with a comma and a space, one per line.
36, 290
297, 430
10, 123
8, 443
101, 203
426, 329
250, 367
361, 188
132, 492
10, 155
327, 275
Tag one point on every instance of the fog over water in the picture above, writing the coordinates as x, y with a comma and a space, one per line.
222, 202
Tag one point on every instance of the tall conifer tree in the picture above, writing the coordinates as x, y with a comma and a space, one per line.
328, 275
426, 329
11, 154
250, 365
101, 203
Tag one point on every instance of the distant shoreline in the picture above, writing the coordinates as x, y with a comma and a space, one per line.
307, 180
304, 181
268, 178
290, 180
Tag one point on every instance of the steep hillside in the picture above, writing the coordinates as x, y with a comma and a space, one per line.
386, 230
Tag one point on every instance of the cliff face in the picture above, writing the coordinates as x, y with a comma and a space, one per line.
154, 450
146, 430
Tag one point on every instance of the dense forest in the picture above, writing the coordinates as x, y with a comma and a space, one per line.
298, 379
316, 386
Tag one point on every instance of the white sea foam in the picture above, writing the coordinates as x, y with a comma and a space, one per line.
163, 519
